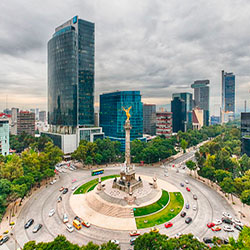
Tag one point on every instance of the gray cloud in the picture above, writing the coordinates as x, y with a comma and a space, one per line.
158, 47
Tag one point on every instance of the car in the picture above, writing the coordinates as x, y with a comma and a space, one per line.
61, 189
64, 171
187, 206
53, 182
183, 214
195, 197
132, 241
227, 215
65, 218
59, 199
65, 190
51, 212
238, 227
4, 239
237, 222
154, 230
188, 220
216, 229
134, 233
85, 223
115, 242
168, 225
217, 222
37, 228
74, 187
186, 181
194, 207
188, 189
69, 227
74, 180
207, 240
211, 224
228, 229
226, 220
28, 223
178, 235
182, 185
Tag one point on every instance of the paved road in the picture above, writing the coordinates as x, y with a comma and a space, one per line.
210, 206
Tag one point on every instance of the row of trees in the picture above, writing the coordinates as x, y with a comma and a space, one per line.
219, 161
149, 241
19, 173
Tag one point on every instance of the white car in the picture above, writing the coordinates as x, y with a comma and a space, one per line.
53, 182
187, 181
115, 242
51, 212
217, 222
69, 227
228, 229
74, 187
194, 208
227, 215
237, 222
178, 235
65, 218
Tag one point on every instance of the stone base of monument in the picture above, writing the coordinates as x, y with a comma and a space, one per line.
130, 199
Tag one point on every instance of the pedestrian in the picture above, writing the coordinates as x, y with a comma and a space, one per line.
7, 218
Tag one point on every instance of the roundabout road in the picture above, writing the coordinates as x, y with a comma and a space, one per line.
210, 206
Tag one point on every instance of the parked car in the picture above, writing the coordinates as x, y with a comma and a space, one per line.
134, 233
238, 227
188, 220
228, 229
4, 239
178, 235
227, 215
65, 190
53, 182
211, 224
227, 220
154, 230
194, 207
183, 214
51, 212
237, 222
74, 187
207, 240
69, 227
195, 197
217, 222
216, 229
132, 241
37, 228
115, 242
28, 223
65, 218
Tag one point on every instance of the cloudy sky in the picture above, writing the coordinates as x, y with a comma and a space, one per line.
155, 46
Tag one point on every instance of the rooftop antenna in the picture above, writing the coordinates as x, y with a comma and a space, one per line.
6, 102
245, 106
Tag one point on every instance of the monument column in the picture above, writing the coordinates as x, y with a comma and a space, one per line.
127, 142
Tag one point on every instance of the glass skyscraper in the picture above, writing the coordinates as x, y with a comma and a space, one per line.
71, 55
112, 116
228, 92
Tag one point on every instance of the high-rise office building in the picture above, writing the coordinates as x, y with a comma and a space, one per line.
42, 116
201, 98
71, 62
149, 119
112, 116
164, 124
4, 136
181, 107
245, 133
228, 97
13, 128
25, 122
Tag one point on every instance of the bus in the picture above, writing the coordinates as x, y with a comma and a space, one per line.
77, 224
97, 171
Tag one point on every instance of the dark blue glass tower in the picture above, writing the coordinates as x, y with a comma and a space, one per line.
71, 57
228, 92
112, 116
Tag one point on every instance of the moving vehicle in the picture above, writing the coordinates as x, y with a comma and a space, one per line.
226, 220
84, 223
216, 229
238, 227
134, 233
188, 189
228, 229
51, 212
168, 225
182, 185
187, 181
97, 172
69, 227
115, 242
132, 241
183, 214
37, 228
4, 239
195, 197
28, 223
61, 189
65, 218
65, 190
187, 206
208, 240
59, 199
227, 215
74, 187
154, 230
77, 224
211, 224
53, 182
188, 220
194, 207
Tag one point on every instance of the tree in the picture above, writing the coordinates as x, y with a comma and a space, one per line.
54, 153
221, 174
227, 185
245, 197
80, 153
89, 160
98, 158
5, 186
191, 165
184, 145
244, 162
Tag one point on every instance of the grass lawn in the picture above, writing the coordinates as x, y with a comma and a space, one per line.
175, 204
162, 202
88, 186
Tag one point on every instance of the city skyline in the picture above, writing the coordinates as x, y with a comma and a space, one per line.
156, 47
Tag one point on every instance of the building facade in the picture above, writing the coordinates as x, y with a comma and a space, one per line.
164, 124
42, 116
228, 95
201, 98
26, 122
181, 108
149, 119
198, 118
71, 61
4, 136
112, 116
245, 133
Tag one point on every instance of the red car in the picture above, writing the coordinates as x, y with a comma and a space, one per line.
134, 233
169, 224
216, 229
209, 225
188, 189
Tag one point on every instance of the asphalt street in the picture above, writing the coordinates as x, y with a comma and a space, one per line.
210, 206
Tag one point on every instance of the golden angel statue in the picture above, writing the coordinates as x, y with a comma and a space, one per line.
127, 112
